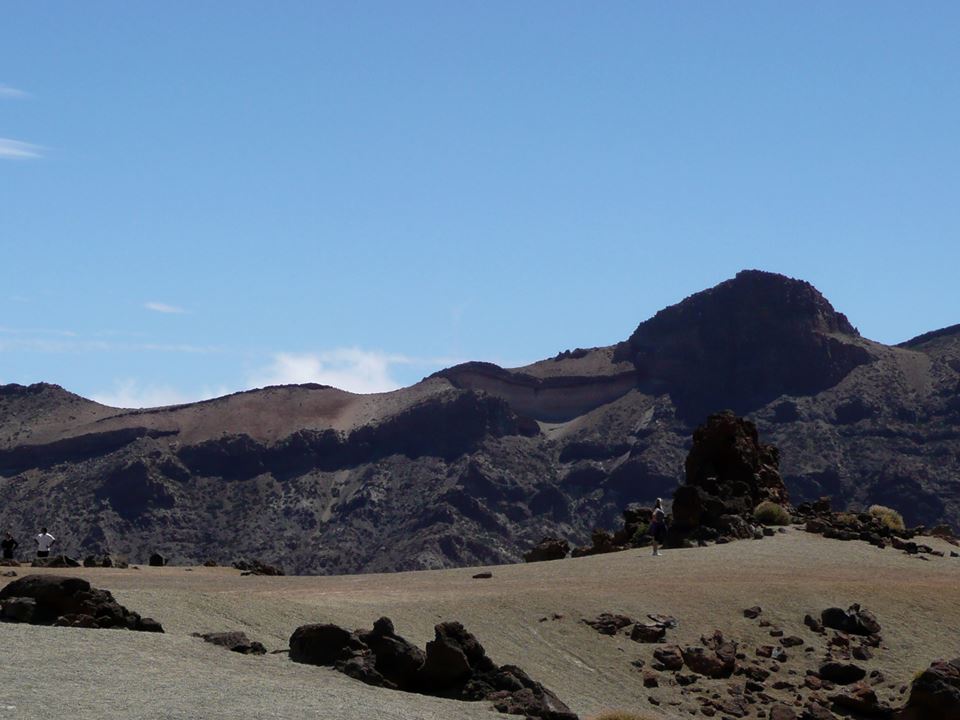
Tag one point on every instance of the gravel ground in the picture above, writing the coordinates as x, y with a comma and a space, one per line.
59, 672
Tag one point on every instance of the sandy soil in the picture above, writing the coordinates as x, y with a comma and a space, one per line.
59, 672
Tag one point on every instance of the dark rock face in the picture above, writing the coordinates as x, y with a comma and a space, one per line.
935, 694
729, 472
68, 601
455, 665
455, 470
715, 349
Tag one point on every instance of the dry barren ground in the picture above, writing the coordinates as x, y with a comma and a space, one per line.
48, 672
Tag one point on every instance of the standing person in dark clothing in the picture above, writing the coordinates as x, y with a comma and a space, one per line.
9, 544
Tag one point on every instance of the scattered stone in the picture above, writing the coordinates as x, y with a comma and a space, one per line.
791, 641
235, 641
483, 575
210, 563
648, 633
608, 624
667, 621
55, 561
842, 673
9, 573
157, 560
814, 624
753, 612
782, 712
669, 657
862, 699
717, 659
256, 567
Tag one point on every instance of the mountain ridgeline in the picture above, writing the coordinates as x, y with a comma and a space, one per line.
476, 463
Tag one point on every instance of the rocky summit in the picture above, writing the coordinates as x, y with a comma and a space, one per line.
477, 463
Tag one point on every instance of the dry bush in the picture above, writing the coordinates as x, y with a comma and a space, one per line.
769, 513
888, 516
621, 715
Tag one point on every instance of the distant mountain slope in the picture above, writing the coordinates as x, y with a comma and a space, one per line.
477, 462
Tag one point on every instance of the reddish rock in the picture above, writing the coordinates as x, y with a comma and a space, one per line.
935, 694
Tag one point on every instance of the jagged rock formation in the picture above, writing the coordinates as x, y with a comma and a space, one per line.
728, 473
477, 463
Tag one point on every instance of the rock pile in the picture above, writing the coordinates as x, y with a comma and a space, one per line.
455, 665
67, 601
728, 473
550, 548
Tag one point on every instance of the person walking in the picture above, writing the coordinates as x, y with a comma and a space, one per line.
658, 526
9, 544
44, 542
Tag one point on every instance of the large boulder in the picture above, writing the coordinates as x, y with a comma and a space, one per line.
323, 644
935, 694
395, 658
854, 620
69, 601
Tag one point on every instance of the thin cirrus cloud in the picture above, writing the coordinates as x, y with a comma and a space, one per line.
164, 308
11, 93
17, 150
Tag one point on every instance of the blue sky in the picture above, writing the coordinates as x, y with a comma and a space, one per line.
200, 197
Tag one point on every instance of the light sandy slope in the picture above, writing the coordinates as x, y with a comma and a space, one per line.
54, 672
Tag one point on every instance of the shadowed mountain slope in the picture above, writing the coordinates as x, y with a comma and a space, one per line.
476, 463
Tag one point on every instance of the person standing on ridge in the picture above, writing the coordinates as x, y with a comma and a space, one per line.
9, 544
44, 541
658, 526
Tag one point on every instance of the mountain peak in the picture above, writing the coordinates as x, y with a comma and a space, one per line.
743, 343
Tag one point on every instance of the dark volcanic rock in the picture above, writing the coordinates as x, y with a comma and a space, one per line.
235, 641
68, 601
608, 623
798, 345
549, 548
935, 694
728, 473
455, 665
853, 620
842, 673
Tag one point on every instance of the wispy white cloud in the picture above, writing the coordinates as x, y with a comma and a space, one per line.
12, 93
351, 369
164, 308
130, 393
17, 150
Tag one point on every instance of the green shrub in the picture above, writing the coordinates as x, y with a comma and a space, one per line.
640, 537
770, 513
888, 516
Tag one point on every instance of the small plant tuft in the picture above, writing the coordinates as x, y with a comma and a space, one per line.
770, 513
888, 516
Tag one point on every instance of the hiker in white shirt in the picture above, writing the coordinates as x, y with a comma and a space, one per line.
44, 541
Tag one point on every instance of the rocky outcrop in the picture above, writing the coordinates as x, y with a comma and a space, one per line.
67, 601
728, 473
454, 665
718, 349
